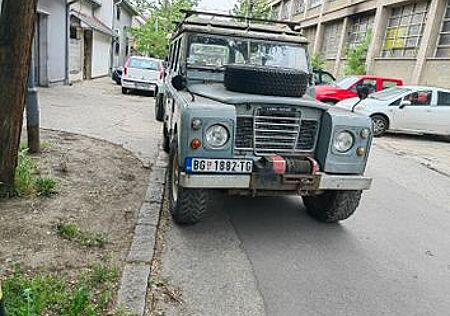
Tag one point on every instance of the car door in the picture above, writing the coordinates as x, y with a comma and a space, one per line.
386, 84
414, 111
440, 114
370, 84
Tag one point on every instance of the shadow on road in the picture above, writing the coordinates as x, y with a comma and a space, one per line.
418, 137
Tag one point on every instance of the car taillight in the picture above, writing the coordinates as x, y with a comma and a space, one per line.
125, 71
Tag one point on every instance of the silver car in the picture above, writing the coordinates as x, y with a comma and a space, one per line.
141, 73
406, 109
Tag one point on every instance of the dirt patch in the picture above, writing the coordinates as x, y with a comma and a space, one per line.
100, 188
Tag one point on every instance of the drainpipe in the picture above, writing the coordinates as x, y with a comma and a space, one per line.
67, 59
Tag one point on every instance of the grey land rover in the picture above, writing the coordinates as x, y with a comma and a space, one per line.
238, 118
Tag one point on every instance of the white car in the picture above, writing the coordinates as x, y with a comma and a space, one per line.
406, 108
141, 73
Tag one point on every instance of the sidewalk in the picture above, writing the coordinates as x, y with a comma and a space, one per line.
98, 109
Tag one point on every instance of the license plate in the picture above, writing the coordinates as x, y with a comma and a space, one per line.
207, 165
143, 86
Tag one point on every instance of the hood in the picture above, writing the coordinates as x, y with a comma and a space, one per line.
324, 89
348, 103
217, 92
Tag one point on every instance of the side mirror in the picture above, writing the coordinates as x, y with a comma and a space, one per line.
404, 103
178, 82
363, 92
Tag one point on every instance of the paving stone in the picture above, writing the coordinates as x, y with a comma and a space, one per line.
154, 192
142, 248
133, 288
149, 214
158, 175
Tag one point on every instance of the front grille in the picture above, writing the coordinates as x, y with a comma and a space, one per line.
275, 130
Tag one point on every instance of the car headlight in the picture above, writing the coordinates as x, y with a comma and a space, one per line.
343, 141
217, 136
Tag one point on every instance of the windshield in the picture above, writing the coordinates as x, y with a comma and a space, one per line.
141, 63
346, 82
215, 51
389, 93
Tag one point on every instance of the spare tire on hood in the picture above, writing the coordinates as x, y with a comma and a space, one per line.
266, 80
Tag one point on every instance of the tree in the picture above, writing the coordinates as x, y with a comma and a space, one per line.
356, 57
260, 9
152, 38
317, 61
143, 6
15, 52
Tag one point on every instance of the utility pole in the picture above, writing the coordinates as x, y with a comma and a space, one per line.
15, 52
32, 112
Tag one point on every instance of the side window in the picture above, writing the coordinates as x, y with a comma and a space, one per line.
419, 98
443, 98
388, 84
396, 102
173, 53
370, 84
177, 56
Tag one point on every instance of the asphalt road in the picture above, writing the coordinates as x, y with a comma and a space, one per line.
266, 256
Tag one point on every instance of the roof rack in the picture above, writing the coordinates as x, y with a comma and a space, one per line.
290, 24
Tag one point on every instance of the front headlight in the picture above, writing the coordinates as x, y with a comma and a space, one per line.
217, 136
343, 141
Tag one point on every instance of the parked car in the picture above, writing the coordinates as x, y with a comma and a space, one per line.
322, 77
141, 73
117, 75
407, 108
347, 87
237, 119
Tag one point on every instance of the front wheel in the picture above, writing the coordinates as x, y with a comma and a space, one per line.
380, 125
332, 206
125, 90
187, 206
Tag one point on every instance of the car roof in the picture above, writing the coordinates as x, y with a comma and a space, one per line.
145, 58
374, 77
208, 23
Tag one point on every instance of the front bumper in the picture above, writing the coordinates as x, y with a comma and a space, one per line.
138, 85
317, 182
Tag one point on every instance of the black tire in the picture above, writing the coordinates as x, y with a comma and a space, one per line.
159, 107
187, 206
166, 139
380, 125
332, 206
266, 80
125, 90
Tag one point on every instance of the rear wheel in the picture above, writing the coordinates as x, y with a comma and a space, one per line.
166, 139
187, 206
125, 90
159, 107
380, 125
332, 206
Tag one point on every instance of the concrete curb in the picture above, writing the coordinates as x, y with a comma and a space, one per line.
134, 283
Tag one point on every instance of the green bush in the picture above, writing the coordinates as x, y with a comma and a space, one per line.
356, 57
23, 181
45, 186
318, 61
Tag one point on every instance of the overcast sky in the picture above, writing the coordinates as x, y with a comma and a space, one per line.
216, 5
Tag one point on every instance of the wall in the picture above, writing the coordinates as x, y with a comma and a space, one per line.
105, 13
101, 51
395, 68
56, 38
436, 72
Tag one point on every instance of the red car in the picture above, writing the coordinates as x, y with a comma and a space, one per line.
347, 87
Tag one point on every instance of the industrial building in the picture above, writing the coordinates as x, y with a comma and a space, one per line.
409, 39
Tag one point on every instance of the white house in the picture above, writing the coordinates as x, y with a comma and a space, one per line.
124, 13
91, 38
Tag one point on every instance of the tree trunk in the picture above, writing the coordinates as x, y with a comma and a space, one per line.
17, 19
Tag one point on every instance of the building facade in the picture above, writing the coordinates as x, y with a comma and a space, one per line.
408, 39
123, 21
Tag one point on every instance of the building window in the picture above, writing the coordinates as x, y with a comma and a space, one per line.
360, 27
276, 11
286, 10
443, 46
117, 48
299, 7
74, 32
331, 37
404, 30
315, 3
118, 12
